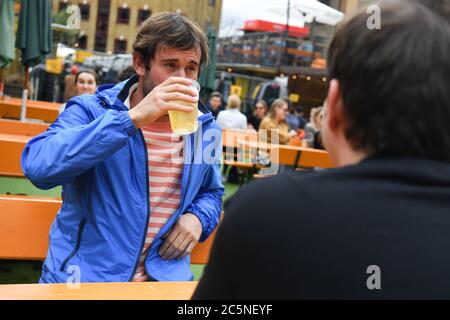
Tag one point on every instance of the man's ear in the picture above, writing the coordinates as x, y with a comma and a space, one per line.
335, 106
138, 64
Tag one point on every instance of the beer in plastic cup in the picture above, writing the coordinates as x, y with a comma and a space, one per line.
183, 123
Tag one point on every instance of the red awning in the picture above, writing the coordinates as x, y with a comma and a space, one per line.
267, 26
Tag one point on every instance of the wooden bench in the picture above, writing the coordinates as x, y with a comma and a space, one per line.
43, 110
25, 223
298, 158
11, 147
302, 158
100, 291
237, 154
16, 127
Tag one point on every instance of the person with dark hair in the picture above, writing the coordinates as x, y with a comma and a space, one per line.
299, 112
291, 119
377, 226
85, 82
137, 198
215, 104
260, 112
126, 74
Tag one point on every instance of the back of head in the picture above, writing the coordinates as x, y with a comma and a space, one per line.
395, 79
234, 102
173, 30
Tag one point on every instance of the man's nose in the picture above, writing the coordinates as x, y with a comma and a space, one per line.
181, 73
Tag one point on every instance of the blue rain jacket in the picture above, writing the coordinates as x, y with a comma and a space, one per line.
94, 151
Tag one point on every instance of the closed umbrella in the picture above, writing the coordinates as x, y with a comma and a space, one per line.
208, 75
6, 36
34, 37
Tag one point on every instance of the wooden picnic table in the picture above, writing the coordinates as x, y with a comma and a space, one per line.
36, 109
100, 291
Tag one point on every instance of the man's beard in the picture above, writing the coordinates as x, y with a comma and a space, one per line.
148, 85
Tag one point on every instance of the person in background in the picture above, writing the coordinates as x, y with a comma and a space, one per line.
377, 226
86, 82
126, 73
300, 114
291, 119
70, 89
232, 118
276, 120
314, 126
260, 112
215, 104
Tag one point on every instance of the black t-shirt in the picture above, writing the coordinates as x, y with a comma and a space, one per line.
254, 121
215, 113
321, 235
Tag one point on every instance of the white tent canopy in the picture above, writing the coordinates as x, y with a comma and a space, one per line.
304, 11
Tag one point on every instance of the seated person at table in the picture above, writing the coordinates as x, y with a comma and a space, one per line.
133, 207
378, 226
260, 112
215, 104
232, 117
275, 124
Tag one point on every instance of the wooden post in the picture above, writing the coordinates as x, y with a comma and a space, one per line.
23, 110
1, 83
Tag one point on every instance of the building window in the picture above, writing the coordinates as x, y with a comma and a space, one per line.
212, 2
120, 46
100, 43
63, 4
101, 34
82, 42
123, 15
84, 9
143, 14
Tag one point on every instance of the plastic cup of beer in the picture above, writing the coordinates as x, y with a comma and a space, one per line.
184, 123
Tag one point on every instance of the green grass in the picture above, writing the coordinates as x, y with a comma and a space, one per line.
12, 272
10, 185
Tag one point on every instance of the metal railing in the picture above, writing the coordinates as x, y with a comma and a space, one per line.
268, 49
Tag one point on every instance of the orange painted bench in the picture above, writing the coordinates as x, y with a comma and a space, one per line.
43, 110
25, 223
11, 148
17, 127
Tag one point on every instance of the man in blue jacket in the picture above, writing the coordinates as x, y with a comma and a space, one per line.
97, 151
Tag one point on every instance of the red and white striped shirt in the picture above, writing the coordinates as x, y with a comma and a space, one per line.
165, 167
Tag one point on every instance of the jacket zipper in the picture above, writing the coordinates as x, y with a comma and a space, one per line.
77, 246
148, 207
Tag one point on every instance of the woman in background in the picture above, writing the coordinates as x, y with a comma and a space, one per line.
276, 120
314, 126
86, 82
